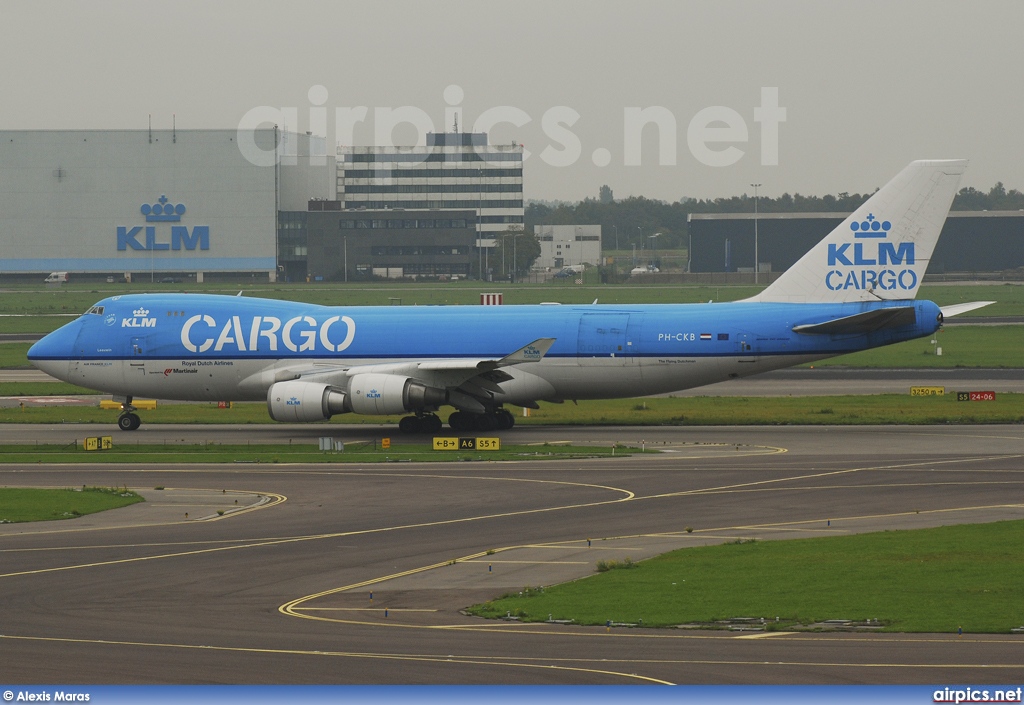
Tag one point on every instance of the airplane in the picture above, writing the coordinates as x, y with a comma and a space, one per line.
853, 291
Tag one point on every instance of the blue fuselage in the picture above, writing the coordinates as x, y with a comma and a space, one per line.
190, 346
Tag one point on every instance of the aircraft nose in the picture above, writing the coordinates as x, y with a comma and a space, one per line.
54, 351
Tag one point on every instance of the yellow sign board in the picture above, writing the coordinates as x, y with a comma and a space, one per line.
927, 391
467, 443
488, 444
98, 443
385, 443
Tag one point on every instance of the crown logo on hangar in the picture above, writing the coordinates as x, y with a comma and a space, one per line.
163, 211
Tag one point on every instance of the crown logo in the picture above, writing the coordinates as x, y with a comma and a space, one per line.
140, 312
871, 227
162, 211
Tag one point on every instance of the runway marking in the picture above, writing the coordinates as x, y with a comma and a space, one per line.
828, 473
532, 562
275, 499
460, 660
955, 434
628, 496
360, 473
294, 608
879, 516
368, 609
532, 662
763, 635
271, 542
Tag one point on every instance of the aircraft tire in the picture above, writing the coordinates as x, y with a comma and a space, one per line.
505, 419
129, 422
485, 422
459, 421
431, 424
410, 424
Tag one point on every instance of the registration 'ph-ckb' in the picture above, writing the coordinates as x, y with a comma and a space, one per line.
875, 263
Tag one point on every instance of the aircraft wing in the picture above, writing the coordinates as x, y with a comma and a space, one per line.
466, 379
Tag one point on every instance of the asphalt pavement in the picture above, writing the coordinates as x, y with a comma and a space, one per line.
358, 574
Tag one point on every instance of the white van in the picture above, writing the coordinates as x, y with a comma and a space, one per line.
57, 278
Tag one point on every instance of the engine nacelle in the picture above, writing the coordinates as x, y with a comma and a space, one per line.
298, 401
376, 393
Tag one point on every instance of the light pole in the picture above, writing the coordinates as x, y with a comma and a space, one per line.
756, 267
515, 238
654, 249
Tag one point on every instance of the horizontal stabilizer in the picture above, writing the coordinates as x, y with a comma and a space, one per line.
861, 323
957, 309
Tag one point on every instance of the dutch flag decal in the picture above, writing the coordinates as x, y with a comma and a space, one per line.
705, 336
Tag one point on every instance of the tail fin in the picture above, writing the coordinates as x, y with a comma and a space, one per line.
882, 250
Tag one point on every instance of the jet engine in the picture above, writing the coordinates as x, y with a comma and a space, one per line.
376, 393
298, 401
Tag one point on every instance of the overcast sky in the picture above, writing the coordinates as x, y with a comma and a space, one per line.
866, 86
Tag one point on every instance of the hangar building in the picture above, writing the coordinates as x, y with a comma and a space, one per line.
327, 243
152, 202
971, 241
568, 245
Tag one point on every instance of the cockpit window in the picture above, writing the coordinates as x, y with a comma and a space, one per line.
97, 310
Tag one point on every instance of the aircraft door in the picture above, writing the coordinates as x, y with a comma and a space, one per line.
747, 348
136, 369
605, 335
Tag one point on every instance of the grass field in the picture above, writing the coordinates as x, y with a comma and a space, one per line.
690, 411
929, 580
125, 450
41, 389
19, 504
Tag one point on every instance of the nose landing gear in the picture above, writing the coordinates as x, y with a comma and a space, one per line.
128, 420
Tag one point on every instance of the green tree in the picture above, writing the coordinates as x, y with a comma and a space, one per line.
520, 250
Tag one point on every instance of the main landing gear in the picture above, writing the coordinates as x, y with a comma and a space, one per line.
497, 420
128, 420
423, 423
